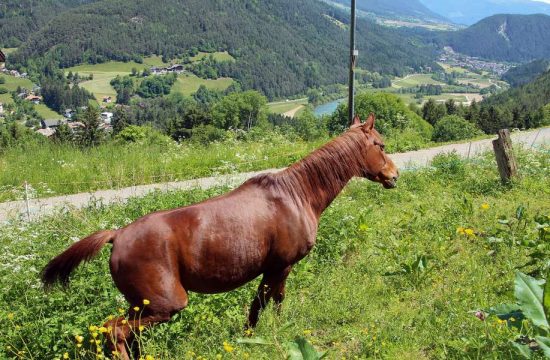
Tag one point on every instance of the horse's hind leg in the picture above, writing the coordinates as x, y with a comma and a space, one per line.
272, 286
160, 308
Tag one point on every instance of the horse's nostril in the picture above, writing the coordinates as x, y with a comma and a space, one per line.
395, 178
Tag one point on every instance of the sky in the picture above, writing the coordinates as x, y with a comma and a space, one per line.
544, 1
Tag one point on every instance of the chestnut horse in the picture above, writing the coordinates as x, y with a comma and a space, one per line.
263, 227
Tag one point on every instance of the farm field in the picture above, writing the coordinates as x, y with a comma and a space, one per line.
187, 84
395, 274
281, 107
414, 80
47, 113
218, 56
103, 74
11, 84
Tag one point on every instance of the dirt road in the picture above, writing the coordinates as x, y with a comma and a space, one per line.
410, 160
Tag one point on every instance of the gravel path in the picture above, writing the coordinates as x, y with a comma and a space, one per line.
414, 159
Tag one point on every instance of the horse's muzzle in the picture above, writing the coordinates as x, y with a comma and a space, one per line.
390, 183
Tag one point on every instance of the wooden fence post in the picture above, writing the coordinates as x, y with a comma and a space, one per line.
507, 165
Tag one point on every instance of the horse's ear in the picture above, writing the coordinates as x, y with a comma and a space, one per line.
369, 124
356, 121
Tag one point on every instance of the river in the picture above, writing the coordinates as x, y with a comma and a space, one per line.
328, 108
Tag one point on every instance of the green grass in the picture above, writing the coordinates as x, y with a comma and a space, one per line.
414, 80
282, 107
107, 67
8, 51
154, 61
13, 82
47, 113
341, 297
187, 84
53, 169
218, 56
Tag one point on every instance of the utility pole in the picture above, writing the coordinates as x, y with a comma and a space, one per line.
353, 59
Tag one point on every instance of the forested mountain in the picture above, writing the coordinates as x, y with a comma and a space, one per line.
20, 18
470, 12
281, 47
524, 106
397, 8
526, 73
514, 38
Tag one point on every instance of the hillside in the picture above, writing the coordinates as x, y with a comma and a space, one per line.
458, 12
524, 106
19, 19
281, 47
526, 73
397, 8
513, 38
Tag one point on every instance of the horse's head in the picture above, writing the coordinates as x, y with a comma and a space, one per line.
377, 165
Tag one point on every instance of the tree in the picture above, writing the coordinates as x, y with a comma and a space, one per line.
90, 134
120, 119
307, 126
432, 112
63, 134
453, 127
241, 111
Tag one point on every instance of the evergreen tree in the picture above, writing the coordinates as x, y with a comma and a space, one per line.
90, 134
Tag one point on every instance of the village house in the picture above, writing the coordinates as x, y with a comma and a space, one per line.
107, 99
107, 117
176, 69
69, 113
34, 99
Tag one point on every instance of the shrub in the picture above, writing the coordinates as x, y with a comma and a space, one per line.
449, 164
206, 134
453, 127
3, 90
143, 135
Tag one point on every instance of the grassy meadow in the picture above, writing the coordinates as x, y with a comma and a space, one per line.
52, 169
281, 107
218, 56
186, 84
11, 84
395, 274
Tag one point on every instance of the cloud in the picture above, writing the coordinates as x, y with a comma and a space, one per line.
542, 1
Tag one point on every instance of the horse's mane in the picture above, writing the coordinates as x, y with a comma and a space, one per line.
326, 170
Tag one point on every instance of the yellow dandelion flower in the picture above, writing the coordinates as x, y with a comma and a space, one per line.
78, 345
227, 347
363, 227
92, 328
469, 232
120, 311
149, 357
136, 308
66, 355
110, 317
146, 302
249, 332
79, 338
124, 322
307, 332
485, 206
94, 335
11, 316
246, 355
460, 230
141, 328
103, 329
218, 356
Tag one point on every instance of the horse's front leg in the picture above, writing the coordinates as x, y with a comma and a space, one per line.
272, 286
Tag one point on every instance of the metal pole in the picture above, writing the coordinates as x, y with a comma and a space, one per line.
353, 58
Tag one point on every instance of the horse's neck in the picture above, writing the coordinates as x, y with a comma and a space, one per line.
320, 177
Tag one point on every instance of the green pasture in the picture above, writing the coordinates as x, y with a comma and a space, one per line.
409, 273
218, 56
414, 80
188, 83
47, 113
281, 107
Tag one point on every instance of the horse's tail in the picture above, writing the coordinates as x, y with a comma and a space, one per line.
61, 267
